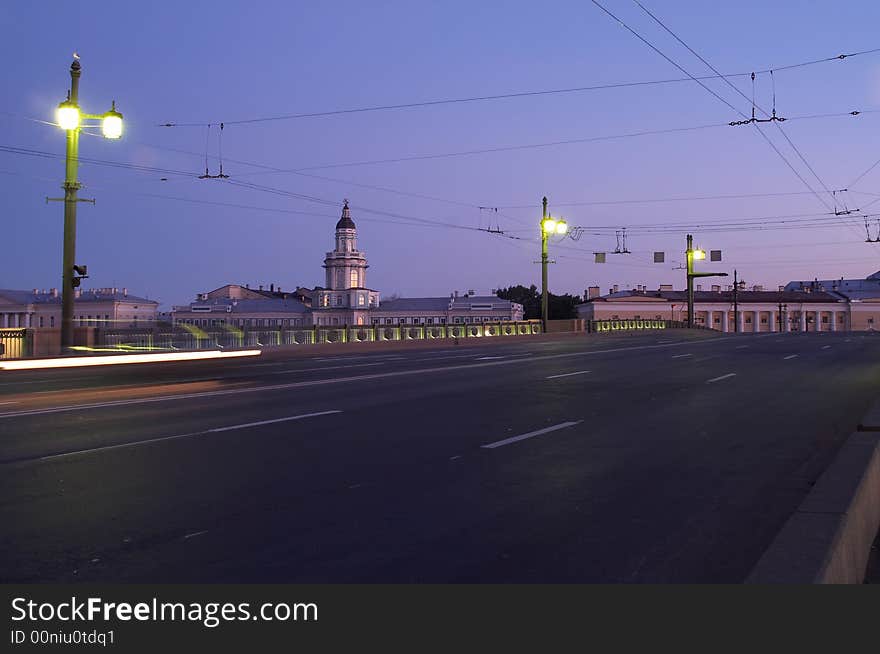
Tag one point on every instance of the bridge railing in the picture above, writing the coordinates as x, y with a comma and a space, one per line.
632, 324
190, 337
15, 343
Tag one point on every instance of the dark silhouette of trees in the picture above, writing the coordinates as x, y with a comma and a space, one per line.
559, 307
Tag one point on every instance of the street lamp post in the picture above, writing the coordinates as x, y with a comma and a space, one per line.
783, 311
694, 254
70, 120
549, 225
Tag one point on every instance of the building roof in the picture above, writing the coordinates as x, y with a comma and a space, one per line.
226, 305
442, 303
775, 297
345, 222
90, 295
854, 289
415, 304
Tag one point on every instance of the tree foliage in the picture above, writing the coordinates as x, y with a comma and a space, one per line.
559, 307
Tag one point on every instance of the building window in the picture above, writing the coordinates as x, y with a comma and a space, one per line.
763, 320
387, 321
353, 277
338, 300
824, 319
336, 321
457, 320
442, 321
748, 320
41, 321
430, 321
401, 321
361, 300
51, 321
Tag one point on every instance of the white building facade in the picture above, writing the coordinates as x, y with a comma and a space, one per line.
345, 300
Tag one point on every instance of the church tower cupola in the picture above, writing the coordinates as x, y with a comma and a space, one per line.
346, 267
345, 222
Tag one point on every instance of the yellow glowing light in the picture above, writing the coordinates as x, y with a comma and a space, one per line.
73, 362
111, 125
699, 254
549, 225
561, 227
67, 115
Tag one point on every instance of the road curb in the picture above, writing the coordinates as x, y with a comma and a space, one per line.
871, 421
829, 537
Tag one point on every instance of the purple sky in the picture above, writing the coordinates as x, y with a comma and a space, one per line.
225, 61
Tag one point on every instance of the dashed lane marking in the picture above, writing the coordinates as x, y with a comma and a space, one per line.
531, 434
206, 432
569, 374
718, 379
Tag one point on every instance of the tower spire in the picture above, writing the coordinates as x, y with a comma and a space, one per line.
345, 222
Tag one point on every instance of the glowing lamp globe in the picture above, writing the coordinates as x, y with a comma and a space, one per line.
67, 115
111, 125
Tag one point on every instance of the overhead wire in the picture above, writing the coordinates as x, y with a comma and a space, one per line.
713, 93
739, 91
503, 96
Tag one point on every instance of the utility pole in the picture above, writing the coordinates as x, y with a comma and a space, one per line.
71, 186
735, 302
69, 119
690, 280
692, 254
544, 237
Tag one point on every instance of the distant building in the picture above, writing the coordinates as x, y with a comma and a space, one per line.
345, 299
828, 305
100, 307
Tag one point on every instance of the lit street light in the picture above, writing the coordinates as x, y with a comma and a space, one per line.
549, 225
692, 255
70, 119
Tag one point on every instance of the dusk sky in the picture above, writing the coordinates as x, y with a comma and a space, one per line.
199, 63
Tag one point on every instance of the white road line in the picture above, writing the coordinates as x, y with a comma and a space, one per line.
487, 358
194, 534
569, 374
4, 403
104, 448
716, 379
825, 347
740, 347
341, 380
453, 458
271, 422
790, 356
295, 370
531, 434
680, 356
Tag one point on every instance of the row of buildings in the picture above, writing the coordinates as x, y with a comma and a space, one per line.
345, 299
799, 306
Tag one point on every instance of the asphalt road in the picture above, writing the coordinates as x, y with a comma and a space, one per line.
658, 457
